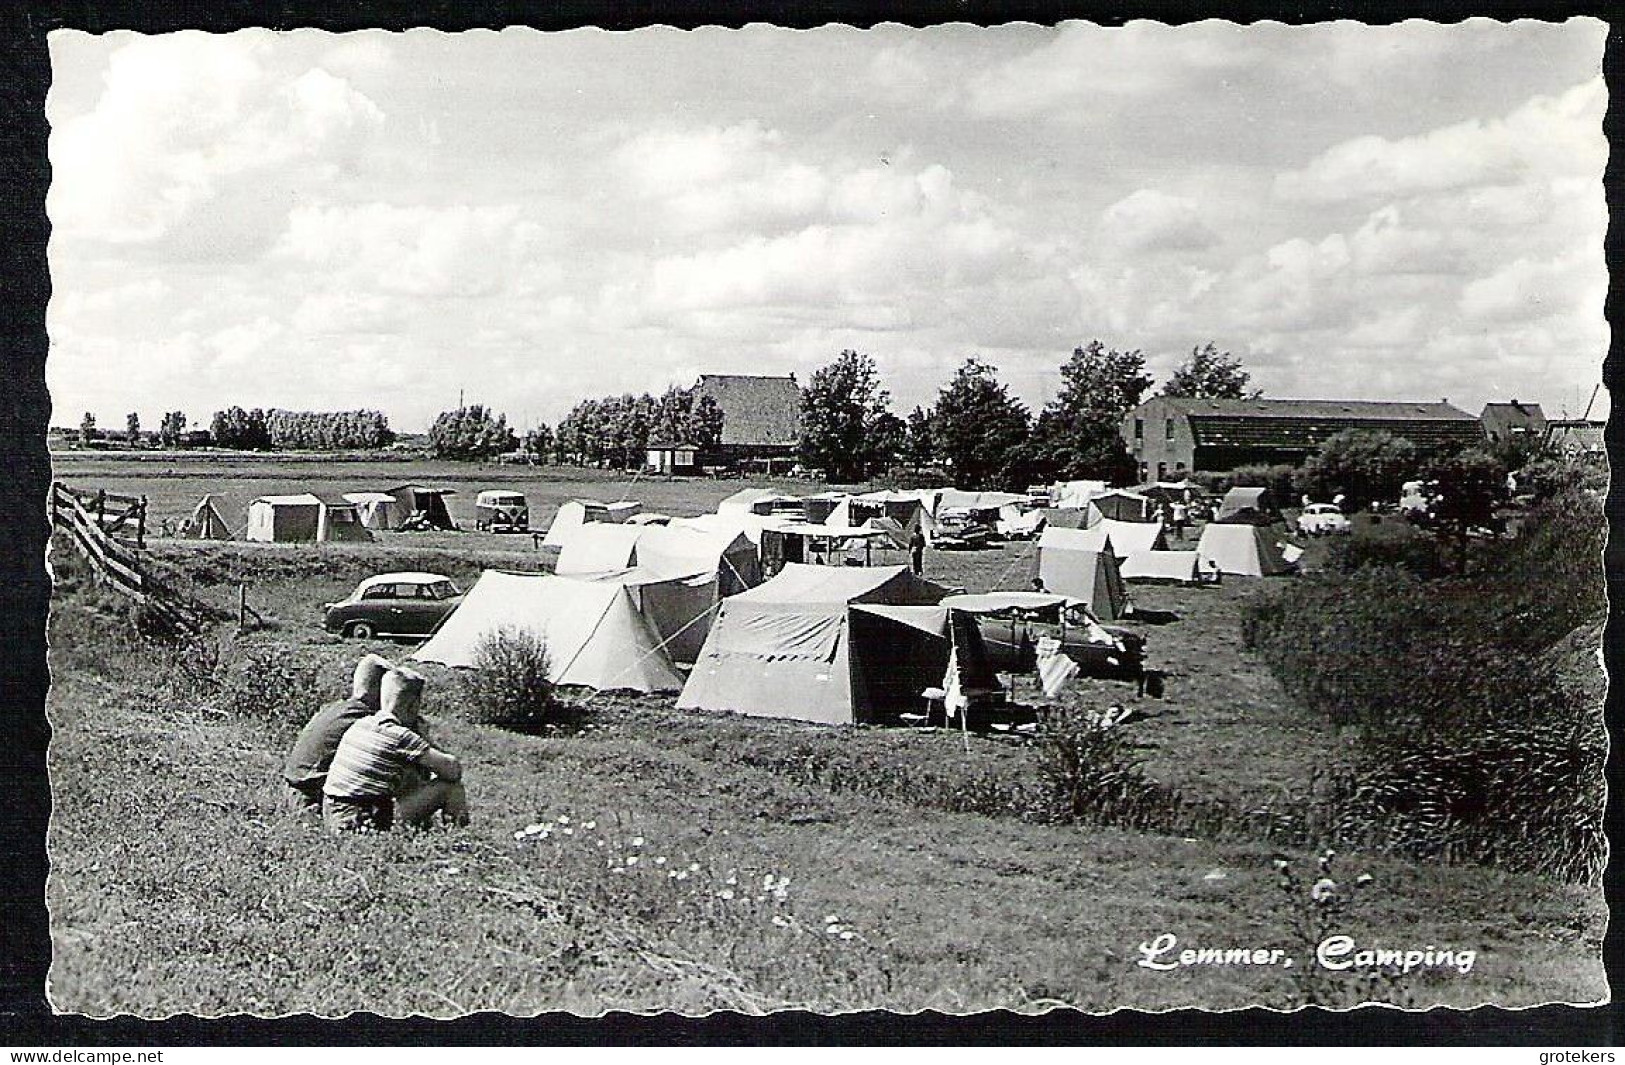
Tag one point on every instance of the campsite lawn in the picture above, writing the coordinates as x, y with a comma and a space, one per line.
167, 840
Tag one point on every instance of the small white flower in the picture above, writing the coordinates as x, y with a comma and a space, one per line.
452, 870
780, 922
833, 930
569, 831
830, 918
1324, 889
849, 935
660, 860
693, 867
681, 874
632, 860
637, 841
732, 881
588, 826
767, 881
725, 894
1281, 863
564, 819
1364, 878
672, 875
600, 843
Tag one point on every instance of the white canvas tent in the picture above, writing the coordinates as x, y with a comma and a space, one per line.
595, 634
1240, 549
338, 519
599, 547
377, 509
1074, 495
1073, 563
1173, 567
761, 501
1129, 537
725, 554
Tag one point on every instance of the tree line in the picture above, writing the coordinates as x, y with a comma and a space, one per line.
617, 431
276, 429
985, 437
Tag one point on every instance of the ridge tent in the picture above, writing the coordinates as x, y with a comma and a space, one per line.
1250, 505
1121, 506
572, 515
1127, 537
678, 608
676, 550
1240, 549
1176, 567
205, 523
284, 519
599, 547
835, 646
594, 633
1071, 564
377, 509
1074, 495
1070, 518
338, 519
413, 499
822, 507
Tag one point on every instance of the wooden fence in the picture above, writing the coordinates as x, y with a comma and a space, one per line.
108, 532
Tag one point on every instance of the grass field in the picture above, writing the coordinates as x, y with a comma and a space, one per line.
179, 885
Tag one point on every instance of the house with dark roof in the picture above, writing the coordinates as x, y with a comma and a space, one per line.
1170, 436
1577, 438
761, 417
1513, 421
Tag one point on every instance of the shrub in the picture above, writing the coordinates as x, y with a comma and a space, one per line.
274, 685
511, 683
1405, 550
1091, 769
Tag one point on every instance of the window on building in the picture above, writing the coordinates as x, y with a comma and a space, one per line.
1170, 430
1139, 428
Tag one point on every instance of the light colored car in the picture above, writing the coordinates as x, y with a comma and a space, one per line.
393, 604
1323, 519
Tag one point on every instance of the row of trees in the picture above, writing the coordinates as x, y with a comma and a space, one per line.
261, 430
171, 429
985, 436
617, 430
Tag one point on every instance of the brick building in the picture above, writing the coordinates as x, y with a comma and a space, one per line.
1173, 436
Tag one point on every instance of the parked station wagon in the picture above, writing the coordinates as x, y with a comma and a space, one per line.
393, 604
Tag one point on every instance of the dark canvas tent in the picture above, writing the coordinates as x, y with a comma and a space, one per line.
1074, 563
1122, 506
1252, 505
377, 509
339, 520
205, 523
835, 646
430, 502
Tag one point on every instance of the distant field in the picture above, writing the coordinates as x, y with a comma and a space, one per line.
167, 841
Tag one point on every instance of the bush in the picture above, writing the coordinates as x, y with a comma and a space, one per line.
1091, 770
511, 683
1404, 549
274, 685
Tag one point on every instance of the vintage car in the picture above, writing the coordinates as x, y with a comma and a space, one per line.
501, 511
961, 530
393, 604
1323, 519
1012, 623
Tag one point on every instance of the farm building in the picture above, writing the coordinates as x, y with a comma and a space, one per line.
837, 646
1577, 438
1170, 436
761, 418
1513, 421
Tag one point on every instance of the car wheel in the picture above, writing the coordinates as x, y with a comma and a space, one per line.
360, 630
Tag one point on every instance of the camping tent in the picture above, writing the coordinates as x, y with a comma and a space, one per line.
338, 519
1070, 518
820, 507
1253, 505
1128, 537
599, 547
677, 550
377, 509
1073, 563
1074, 495
1122, 506
835, 646
205, 523
1245, 550
284, 519
1171, 492
430, 502
594, 633
1175, 567
572, 515
759, 501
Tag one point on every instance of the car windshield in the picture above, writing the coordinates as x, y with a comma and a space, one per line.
441, 590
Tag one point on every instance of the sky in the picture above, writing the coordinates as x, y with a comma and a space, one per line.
393, 221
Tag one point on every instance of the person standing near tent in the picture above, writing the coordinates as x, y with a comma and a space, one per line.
371, 782
916, 550
1181, 515
305, 768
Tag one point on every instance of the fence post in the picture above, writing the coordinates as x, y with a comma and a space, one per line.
101, 509
141, 524
242, 607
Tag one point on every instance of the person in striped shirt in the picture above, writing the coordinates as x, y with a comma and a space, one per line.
376, 777
305, 768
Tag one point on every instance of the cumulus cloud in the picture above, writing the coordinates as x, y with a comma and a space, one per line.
181, 117
1148, 220
1545, 135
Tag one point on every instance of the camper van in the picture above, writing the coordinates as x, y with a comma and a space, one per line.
501, 511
